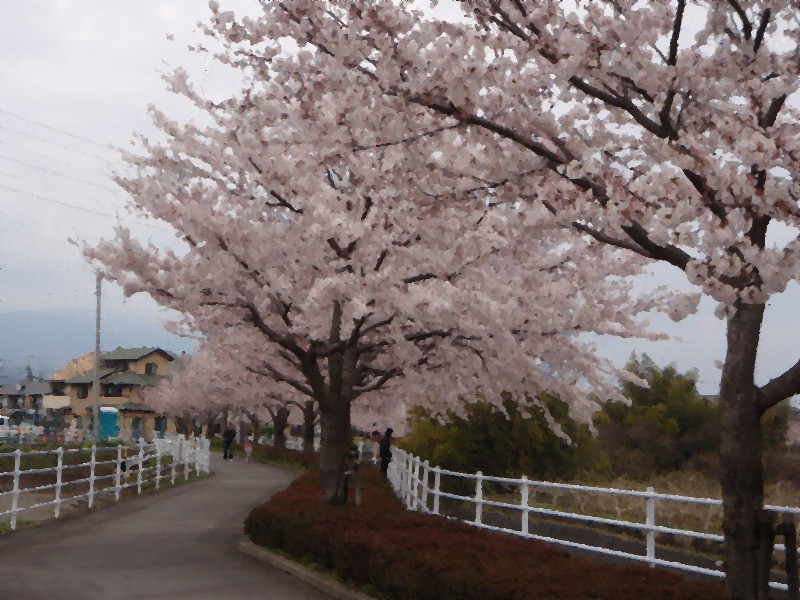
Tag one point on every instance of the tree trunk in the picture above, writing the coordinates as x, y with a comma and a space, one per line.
182, 424
255, 423
740, 454
212, 424
309, 420
335, 424
280, 421
334, 415
224, 421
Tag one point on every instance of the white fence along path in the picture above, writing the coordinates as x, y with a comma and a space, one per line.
131, 466
418, 485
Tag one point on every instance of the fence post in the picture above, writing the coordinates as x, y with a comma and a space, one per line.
437, 482
141, 464
197, 456
59, 471
409, 470
523, 489
185, 453
92, 461
478, 497
158, 465
415, 493
788, 528
651, 521
174, 457
426, 473
118, 473
15, 494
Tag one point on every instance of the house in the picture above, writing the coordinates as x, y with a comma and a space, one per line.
123, 374
29, 398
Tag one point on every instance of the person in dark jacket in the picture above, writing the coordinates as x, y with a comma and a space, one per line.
228, 436
385, 450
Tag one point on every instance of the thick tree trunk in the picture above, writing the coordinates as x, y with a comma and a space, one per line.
309, 421
334, 415
335, 424
182, 424
280, 422
740, 454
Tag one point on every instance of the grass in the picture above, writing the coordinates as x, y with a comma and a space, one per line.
5, 526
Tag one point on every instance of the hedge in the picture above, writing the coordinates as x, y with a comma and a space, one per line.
402, 555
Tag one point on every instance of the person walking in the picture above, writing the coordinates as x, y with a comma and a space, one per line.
248, 448
375, 440
385, 449
227, 437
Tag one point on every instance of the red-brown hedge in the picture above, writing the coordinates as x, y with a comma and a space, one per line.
407, 555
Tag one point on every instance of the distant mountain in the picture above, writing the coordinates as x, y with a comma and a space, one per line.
49, 340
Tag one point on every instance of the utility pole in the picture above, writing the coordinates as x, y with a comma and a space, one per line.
96, 378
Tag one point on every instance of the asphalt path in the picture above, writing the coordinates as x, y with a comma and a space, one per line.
175, 544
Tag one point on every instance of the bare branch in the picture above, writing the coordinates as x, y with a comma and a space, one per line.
272, 373
762, 27
747, 27
676, 32
783, 386
418, 278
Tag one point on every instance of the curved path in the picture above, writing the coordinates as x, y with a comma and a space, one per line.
175, 544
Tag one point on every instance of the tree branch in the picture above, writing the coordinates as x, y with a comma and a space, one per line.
783, 386
272, 373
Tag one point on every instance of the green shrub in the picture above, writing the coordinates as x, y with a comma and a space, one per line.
406, 555
510, 442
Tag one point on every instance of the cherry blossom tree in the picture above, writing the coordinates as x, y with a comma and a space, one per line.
362, 283
206, 385
665, 129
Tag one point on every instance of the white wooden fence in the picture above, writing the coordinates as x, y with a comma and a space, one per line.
133, 467
418, 485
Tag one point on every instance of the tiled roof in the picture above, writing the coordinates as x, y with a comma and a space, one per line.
131, 378
133, 353
29, 388
88, 376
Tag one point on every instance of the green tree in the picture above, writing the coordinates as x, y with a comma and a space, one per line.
509, 442
668, 426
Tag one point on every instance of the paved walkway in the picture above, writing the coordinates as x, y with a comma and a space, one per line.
173, 545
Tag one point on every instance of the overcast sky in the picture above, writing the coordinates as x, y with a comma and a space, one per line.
76, 77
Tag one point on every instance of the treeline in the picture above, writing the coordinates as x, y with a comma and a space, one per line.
668, 426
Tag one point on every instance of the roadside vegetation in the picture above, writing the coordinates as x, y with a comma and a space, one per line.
388, 552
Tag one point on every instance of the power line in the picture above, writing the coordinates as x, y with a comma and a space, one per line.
78, 207
29, 99
59, 174
47, 185
39, 154
51, 142
56, 129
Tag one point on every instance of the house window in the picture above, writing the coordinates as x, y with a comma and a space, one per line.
83, 392
114, 391
151, 368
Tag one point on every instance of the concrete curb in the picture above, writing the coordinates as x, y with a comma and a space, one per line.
311, 577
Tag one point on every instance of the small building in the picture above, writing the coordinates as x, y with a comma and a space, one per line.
29, 398
123, 374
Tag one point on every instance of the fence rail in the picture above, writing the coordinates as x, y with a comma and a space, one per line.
411, 479
123, 467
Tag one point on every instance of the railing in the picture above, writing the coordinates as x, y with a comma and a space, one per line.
292, 442
129, 467
411, 479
